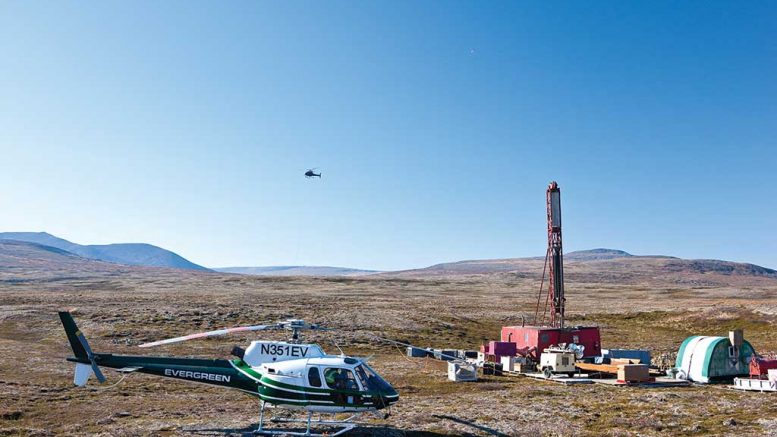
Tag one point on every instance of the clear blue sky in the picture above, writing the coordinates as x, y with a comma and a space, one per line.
437, 126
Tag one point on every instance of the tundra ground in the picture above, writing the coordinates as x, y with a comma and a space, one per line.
117, 312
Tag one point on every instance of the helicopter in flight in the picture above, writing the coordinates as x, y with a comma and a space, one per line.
312, 174
285, 374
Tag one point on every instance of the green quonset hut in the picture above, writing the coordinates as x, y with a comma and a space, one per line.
705, 359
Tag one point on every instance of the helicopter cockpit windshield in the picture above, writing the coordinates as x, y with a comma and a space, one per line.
369, 379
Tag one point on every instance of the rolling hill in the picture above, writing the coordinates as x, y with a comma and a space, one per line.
609, 266
136, 254
49, 255
296, 271
22, 261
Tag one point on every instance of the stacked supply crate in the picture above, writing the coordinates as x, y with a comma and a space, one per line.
493, 351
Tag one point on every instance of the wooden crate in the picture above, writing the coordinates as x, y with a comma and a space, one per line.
633, 373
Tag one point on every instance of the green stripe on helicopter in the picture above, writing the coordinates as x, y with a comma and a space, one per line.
244, 368
297, 402
272, 390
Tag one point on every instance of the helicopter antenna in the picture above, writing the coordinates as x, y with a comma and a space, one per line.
338, 347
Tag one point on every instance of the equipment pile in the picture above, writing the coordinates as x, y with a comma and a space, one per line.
562, 353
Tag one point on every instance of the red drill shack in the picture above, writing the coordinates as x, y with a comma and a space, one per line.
542, 337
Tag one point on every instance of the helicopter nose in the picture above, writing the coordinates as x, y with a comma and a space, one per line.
391, 397
385, 398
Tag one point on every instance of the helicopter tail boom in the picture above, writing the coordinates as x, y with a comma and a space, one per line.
72, 336
218, 372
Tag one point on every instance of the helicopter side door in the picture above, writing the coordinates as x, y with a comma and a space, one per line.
345, 386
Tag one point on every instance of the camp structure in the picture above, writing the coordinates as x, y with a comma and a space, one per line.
705, 359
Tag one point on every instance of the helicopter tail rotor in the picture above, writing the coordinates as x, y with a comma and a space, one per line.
82, 352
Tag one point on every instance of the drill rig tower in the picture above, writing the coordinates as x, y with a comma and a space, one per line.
535, 339
556, 255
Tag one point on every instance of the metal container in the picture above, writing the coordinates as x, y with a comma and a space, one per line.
461, 372
502, 348
464, 354
512, 364
416, 352
633, 354
445, 354
491, 368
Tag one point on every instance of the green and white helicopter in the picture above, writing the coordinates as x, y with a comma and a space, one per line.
289, 374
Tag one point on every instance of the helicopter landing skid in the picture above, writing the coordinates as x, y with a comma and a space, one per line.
343, 425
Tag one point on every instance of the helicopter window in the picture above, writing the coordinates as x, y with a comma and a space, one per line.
314, 377
369, 379
340, 379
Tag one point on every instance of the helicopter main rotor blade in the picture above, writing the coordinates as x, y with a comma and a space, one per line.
210, 334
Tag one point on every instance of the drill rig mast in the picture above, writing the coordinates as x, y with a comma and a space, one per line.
556, 255
535, 339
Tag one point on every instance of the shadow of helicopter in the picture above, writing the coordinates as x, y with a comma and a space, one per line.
482, 428
361, 431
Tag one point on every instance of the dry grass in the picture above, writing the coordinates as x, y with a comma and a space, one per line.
120, 310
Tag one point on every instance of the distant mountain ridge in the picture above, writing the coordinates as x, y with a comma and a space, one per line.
597, 254
296, 271
39, 254
605, 265
24, 261
135, 254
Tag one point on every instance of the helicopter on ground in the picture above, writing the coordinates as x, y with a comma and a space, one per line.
312, 174
284, 374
